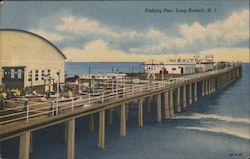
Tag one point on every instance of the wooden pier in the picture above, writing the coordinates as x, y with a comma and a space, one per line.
23, 123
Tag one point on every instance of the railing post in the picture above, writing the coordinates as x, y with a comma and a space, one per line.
89, 99
27, 114
102, 97
72, 104
133, 90
116, 93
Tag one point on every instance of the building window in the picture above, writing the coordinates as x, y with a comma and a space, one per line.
42, 74
12, 73
173, 68
36, 75
49, 72
30, 75
19, 73
2, 72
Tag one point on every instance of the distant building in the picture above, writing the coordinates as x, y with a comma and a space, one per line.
171, 67
180, 66
27, 59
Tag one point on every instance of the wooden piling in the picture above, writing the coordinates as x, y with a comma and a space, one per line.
195, 92
24, 145
91, 123
159, 108
185, 96
31, 142
110, 116
171, 102
148, 104
140, 113
101, 139
167, 109
178, 99
126, 111
203, 87
65, 133
71, 139
190, 94
123, 120
207, 86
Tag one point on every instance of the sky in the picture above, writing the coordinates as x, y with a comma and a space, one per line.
93, 31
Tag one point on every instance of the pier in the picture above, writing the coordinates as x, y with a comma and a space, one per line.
177, 94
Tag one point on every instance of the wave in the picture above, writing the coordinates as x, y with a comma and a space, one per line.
216, 117
244, 135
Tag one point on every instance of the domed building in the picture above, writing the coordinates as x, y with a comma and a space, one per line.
29, 60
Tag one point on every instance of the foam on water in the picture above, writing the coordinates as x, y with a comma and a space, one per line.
224, 130
215, 117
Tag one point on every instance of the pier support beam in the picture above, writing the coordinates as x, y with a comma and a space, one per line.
158, 108
126, 111
24, 146
178, 99
71, 139
210, 85
101, 140
195, 91
148, 104
213, 85
65, 134
171, 100
123, 120
190, 94
207, 86
31, 142
185, 96
203, 91
140, 113
110, 116
167, 110
91, 123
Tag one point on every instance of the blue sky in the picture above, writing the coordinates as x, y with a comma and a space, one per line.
123, 31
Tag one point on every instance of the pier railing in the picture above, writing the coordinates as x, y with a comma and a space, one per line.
37, 111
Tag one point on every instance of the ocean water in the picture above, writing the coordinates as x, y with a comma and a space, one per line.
79, 68
215, 127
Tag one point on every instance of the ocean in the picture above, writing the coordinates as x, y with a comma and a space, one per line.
215, 127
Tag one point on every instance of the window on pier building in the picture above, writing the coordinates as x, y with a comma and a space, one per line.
30, 75
42, 74
19, 73
36, 75
49, 72
12, 73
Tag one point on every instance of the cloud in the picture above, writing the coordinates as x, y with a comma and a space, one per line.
228, 54
160, 42
232, 29
53, 37
99, 51
86, 26
196, 37
100, 42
